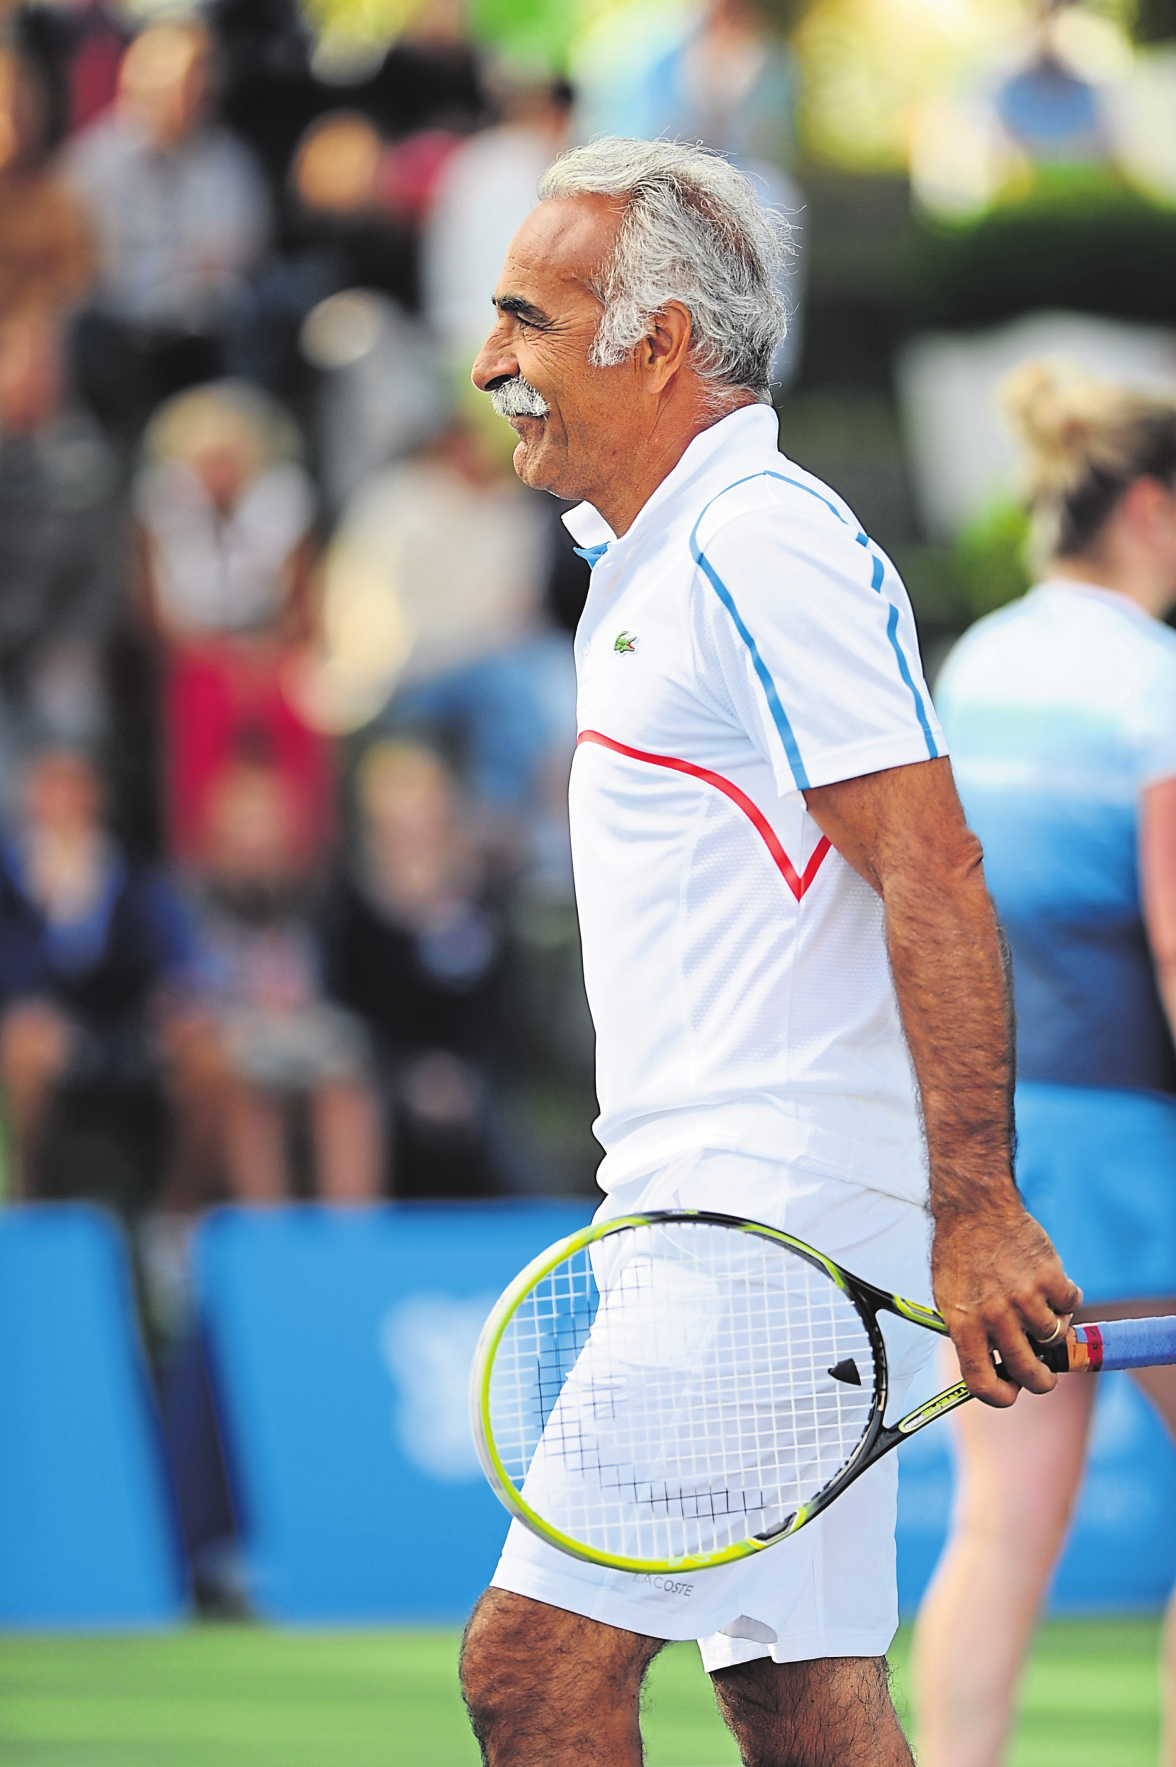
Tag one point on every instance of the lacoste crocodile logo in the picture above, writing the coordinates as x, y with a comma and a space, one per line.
623, 642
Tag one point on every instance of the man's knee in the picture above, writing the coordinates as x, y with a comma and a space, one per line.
830, 1712
521, 1659
496, 1650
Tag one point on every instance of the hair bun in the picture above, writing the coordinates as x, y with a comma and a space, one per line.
1058, 412
1085, 441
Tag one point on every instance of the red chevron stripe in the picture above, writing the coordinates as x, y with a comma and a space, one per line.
796, 882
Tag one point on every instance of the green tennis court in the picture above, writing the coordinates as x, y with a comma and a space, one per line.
243, 1696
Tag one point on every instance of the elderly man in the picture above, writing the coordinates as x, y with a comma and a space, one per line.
788, 943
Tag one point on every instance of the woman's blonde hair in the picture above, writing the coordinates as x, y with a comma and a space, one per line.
1087, 441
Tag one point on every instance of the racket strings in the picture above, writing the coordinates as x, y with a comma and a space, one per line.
668, 1392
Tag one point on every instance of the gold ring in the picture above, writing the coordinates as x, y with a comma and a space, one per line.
1055, 1334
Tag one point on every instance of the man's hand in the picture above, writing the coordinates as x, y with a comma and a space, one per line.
996, 1277
998, 1282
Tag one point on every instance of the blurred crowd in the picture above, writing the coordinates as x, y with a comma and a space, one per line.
286, 698
286, 693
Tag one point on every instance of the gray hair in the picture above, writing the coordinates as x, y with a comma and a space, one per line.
693, 230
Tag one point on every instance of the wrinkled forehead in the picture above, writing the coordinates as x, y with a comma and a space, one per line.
560, 249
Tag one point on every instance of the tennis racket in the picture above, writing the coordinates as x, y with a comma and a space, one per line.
676, 1390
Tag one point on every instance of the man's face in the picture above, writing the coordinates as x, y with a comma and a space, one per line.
547, 319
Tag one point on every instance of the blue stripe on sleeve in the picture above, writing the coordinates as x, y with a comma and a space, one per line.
904, 671
779, 715
877, 576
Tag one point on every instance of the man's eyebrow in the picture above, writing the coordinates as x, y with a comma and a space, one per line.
521, 309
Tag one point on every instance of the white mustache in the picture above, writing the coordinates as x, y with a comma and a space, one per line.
518, 398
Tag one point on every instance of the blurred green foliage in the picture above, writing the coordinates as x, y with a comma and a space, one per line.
990, 556
535, 32
1078, 238
950, 586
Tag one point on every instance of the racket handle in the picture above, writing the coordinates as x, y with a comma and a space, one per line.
1117, 1343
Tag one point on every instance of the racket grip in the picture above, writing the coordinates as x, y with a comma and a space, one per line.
1116, 1343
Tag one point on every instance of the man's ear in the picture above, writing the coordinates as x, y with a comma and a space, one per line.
666, 345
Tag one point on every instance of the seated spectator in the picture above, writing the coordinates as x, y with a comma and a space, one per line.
486, 189
62, 552
344, 224
226, 567
281, 1043
96, 966
416, 951
47, 256
434, 603
182, 218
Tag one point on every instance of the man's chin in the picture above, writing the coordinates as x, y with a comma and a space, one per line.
528, 455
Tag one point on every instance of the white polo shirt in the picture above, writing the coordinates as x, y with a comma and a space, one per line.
744, 640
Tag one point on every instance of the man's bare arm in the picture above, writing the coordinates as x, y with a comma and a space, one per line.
997, 1278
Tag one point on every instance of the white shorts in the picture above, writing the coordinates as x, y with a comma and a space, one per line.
831, 1590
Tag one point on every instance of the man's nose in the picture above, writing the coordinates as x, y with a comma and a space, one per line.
494, 362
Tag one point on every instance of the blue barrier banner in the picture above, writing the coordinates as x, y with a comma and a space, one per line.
1122, 1548
88, 1535
340, 1343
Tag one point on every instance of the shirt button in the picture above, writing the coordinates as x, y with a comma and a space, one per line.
587, 645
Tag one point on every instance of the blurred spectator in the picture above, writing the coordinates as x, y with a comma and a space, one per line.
182, 218
381, 392
62, 552
430, 77
1048, 110
417, 952
46, 249
731, 82
484, 193
282, 1043
267, 92
991, 140
434, 596
724, 75
95, 959
343, 211
226, 562
349, 224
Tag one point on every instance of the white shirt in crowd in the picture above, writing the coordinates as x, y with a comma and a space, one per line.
744, 640
222, 573
177, 229
486, 192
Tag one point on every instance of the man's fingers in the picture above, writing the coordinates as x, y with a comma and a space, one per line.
1046, 1305
1019, 1358
977, 1369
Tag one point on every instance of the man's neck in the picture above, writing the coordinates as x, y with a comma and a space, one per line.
637, 475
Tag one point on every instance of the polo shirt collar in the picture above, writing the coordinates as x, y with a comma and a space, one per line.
591, 532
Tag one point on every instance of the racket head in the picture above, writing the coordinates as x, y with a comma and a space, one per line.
655, 1393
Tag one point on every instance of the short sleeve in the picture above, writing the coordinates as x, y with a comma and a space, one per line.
1155, 727
811, 633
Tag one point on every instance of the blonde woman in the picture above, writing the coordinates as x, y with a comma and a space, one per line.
1061, 714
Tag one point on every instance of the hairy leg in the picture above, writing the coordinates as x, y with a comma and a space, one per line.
1019, 1475
832, 1712
545, 1688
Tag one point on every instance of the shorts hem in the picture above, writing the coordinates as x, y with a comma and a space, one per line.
721, 1652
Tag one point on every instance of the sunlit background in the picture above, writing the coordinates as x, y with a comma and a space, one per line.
286, 714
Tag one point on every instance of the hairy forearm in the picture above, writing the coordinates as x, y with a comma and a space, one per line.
996, 1278
950, 974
